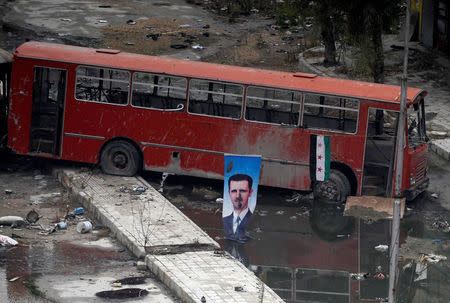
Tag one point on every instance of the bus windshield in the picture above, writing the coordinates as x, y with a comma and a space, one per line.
416, 124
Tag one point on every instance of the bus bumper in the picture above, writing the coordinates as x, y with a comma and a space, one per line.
412, 193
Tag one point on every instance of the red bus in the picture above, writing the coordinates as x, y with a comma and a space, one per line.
129, 112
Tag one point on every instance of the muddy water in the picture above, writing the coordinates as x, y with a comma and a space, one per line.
309, 252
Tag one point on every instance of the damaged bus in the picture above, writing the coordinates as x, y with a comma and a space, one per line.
129, 112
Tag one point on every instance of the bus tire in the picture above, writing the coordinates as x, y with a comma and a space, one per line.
120, 158
334, 190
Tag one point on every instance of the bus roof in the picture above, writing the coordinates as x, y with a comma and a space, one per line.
236, 74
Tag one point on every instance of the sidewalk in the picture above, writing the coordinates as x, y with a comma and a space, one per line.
176, 250
432, 76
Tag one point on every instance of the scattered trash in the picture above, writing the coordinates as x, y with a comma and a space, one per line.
154, 36
254, 10
102, 21
381, 247
343, 236
379, 276
66, 19
122, 293
435, 195
219, 252
8, 191
437, 241
280, 212
13, 221
295, 198
203, 299
129, 43
432, 258
197, 46
131, 22
32, 216
131, 281
15, 236
141, 265
359, 276
293, 218
118, 204
139, 189
191, 25
14, 279
39, 177
441, 225
5, 241
62, 225
117, 284
219, 200
178, 46
238, 288
78, 211
84, 227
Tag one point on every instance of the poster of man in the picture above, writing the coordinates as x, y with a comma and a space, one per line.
240, 192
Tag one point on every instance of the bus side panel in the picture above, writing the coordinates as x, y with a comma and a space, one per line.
19, 118
81, 149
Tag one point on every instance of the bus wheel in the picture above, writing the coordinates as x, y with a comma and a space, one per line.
120, 158
335, 189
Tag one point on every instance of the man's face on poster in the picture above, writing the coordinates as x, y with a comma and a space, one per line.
239, 194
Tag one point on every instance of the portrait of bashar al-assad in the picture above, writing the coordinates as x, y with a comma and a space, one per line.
240, 190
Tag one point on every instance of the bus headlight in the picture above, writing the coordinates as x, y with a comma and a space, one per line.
412, 181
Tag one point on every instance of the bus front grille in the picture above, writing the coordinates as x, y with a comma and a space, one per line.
421, 168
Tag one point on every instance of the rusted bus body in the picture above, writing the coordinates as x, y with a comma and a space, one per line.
209, 110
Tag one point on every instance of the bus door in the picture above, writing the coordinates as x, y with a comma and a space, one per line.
379, 153
49, 90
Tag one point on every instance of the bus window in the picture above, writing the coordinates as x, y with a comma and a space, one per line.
272, 105
102, 85
215, 99
158, 92
332, 113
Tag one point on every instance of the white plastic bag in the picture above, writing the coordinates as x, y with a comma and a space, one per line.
5, 240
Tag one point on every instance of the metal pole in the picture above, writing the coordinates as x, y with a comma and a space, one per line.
399, 166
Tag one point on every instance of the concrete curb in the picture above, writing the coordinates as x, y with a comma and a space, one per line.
183, 257
100, 214
441, 147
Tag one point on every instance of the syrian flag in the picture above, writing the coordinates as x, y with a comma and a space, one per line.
320, 157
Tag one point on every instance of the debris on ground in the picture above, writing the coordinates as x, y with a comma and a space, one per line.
381, 247
441, 224
32, 216
14, 279
435, 195
78, 211
13, 221
141, 265
131, 22
432, 258
219, 200
359, 276
84, 227
238, 288
122, 293
379, 276
197, 46
139, 190
7, 241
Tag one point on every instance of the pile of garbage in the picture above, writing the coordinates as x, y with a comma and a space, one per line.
31, 222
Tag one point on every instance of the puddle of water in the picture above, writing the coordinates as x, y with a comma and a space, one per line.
313, 257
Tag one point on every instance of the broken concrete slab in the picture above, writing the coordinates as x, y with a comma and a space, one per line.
139, 221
